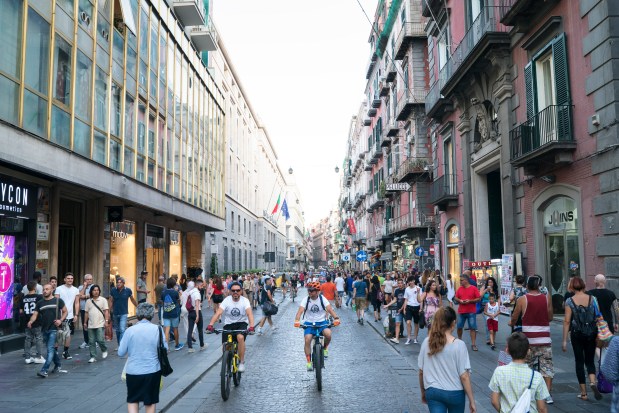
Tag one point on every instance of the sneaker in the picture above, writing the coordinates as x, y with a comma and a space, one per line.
309, 366
42, 373
59, 370
549, 400
92, 360
39, 360
29, 360
241, 368
493, 347
104, 355
408, 341
83, 345
274, 328
66, 355
362, 321
180, 346
202, 348
415, 341
325, 353
191, 350
394, 340
259, 331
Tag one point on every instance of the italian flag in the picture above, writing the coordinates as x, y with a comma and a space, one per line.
277, 204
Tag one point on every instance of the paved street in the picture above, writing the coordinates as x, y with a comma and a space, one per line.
363, 373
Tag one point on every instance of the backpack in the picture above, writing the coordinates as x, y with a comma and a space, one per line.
308, 301
189, 303
583, 318
169, 306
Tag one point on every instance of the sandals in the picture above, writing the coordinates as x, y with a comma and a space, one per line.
583, 397
596, 391
474, 347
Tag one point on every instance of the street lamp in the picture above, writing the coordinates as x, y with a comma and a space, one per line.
290, 171
337, 169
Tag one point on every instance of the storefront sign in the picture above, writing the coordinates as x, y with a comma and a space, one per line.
42, 231
7, 260
17, 199
479, 264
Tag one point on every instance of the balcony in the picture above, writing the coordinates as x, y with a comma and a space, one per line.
385, 141
204, 37
413, 168
383, 232
371, 65
359, 237
375, 201
406, 222
376, 101
383, 87
443, 192
362, 154
368, 166
485, 33
189, 12
391, 128
430, 6
408, 101
391, 72
523, 12
371, 112
377, 151
436, 105
367, 122
546, 138
408, 32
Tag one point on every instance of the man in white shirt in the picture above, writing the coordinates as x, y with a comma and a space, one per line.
237, 315
36, 276
85, 295
412, 306
70, 296
339, 286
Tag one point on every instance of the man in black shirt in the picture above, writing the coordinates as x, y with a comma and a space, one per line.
50, 312
398, 299
33, 334
607, 301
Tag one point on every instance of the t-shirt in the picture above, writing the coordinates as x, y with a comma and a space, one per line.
443, 370
315, 310
83, 302
121, 300
68, 294
399, 296
469, 293
96, 318
411, 295
388, 286
172, 309
361, 288
247, 285
265, 296
47, 312
329, 290
235, 311
511, 380
349, 283
158, 290
141, 286
39, 289
29, 303
194, 296
605, 299
340, 283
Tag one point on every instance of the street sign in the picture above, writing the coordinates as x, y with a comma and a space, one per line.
362, 256
432, 249
402, 186
419, 251
346, 257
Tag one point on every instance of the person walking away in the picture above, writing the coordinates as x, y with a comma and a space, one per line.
536, 311
607, 302
444, 367
340, 286
430, 301
70, 296
451, 291
349, 289
267, 295
467, 298
412, 306
491, 312
610, 370
194, 316
359, 293
161, 285
143, 369
518, 291
142, 288
36, 277
119, 303
33, 333
97, 315
509, 382
388, 286
84, 294
329, 290
398, 298
218, 292
51, 313
376, 295
171, 307
580, 322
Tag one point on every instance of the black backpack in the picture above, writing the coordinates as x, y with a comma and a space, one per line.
583, 318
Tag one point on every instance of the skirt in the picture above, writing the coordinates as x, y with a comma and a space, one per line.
143, 388
217, 298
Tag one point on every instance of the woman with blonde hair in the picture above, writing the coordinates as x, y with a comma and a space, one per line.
444, 367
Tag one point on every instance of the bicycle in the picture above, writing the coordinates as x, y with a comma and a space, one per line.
229, 362
293, 293
318, 356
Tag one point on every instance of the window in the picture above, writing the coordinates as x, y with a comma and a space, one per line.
62, 71
61, 127
82, 83
101, 115
545, 80
35, 113
81, 139
474, 10
11, 32
99, 153
37, 53
443, 46
129, 120
115, 112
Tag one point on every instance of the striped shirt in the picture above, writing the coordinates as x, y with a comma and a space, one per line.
535, 323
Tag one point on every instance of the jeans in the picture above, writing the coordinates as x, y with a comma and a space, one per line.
584, 355
120, 325
191, 320
52, 355
33, 334
349, 298
84, 330
95, 335
443, 401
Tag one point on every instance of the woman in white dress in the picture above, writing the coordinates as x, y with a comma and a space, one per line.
451, 291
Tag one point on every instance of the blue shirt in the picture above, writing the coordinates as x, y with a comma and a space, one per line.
361, 287
171, 310
349, 282
121, 300
141, 342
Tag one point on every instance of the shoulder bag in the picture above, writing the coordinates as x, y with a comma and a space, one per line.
162, 355
523, 405
64, 330
604, 335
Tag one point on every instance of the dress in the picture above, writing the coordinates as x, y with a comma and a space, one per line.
450, 290
431, 306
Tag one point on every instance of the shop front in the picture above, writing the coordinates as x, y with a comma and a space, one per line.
123, 255
453, 264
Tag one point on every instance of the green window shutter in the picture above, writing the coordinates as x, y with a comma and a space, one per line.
529, 82
562, 82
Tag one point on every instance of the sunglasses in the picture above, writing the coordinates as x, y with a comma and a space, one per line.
236, 291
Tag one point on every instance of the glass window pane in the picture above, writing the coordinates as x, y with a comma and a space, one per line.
131, 61
9, 102
84, 41
67, 5
37, 52
101, 117
85, 14
115, 148
100, 148
153, 44
103, 58
11, 35
153, 86
115, 112
141, 128
151, 173
61, 127
118, 47
129, 120
43, 6
81, 138
83, 98
64, 22
103, 31
35, 114
139, 169
142, 77
143, 34
151, 137
62, 71
128, 168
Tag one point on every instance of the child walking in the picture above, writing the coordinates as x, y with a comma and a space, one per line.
492, 313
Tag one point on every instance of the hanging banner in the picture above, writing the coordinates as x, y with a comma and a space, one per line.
7, 267
351, 226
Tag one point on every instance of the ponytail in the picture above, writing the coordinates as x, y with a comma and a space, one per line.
442, 322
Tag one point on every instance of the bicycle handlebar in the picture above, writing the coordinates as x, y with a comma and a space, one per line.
221, 330
304, 325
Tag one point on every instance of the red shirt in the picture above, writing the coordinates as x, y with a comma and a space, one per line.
328, 290
469, 293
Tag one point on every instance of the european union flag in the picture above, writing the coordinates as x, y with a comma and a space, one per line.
285, 210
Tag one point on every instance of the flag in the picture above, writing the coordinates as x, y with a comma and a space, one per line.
276, 205
285, 210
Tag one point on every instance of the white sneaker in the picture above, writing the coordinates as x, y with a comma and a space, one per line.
241, 368
259, 331
92, 360
39, 360
274, 328
395, 340
408, 341
104, 355
29, 360
84, 345
415, 341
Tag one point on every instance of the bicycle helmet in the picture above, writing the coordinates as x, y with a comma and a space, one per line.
313, 285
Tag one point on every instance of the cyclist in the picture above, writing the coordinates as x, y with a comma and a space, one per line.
294, 281
313, 310
237, 313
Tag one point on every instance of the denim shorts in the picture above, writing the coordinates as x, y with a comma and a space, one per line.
471, 318
313, 328
399, 317
171, 322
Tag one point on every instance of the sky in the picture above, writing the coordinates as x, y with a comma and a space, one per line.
302, 65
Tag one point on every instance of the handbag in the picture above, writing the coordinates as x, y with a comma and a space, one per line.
523, 405
162, 355
268, 308
604, 335
422, 318
64, 330
604, 386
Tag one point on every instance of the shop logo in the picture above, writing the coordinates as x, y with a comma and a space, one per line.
120, 234
557, 218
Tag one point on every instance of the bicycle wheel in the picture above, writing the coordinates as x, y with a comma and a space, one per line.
226, 372
317, 359
236, 376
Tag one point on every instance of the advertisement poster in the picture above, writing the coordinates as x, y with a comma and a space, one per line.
7, 254
507, 274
